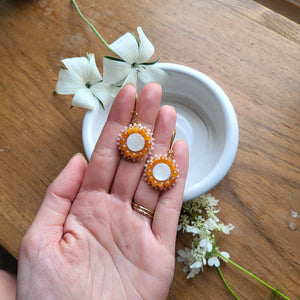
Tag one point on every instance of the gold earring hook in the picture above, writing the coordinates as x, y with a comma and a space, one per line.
134, 112
171, 153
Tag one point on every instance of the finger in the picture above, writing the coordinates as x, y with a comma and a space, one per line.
129, 173
105, 158
168, 207
59, 197
145, 195
8, 285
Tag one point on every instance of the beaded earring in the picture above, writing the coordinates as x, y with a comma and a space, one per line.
161, 171
135, 140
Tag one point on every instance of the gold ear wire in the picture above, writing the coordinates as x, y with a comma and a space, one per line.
170, 152
134, 112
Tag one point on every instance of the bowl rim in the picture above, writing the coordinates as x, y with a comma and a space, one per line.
228, 154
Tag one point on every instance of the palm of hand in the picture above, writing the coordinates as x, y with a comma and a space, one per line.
137, 265
86, 241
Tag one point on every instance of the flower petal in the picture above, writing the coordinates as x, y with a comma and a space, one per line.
192, 229
80, 66
225, 254
146, 48
209, 247
197, 264
84, 98
68, 83
114, 70
126, 47
131, 78
94, 75
149, 73
104, 92
213, 261
180, 259
181, 252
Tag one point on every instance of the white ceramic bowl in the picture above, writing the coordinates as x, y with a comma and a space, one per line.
206, 120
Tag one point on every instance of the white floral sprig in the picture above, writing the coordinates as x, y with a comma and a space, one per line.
80, 76
199, 217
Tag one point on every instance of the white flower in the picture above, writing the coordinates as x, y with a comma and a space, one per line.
83, 79
226, 228
132, 64
294, 214
206, 245
196, 265
225, 254
211, 200
210, 224
192, 229
193, 272
191, 267
213, 261
182, 255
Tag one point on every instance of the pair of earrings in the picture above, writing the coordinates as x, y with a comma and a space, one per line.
136, 141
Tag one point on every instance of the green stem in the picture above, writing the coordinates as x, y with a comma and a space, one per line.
92, 27
228, 287
253, 276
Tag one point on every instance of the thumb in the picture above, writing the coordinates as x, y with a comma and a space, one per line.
56, 205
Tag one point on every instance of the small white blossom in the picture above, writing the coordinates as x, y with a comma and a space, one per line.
193, 272
192, 229
294, 214
227, 228
212, 201
225, 254
182, 255
197, 264
213, 261
206, 245
193, 262
210, 224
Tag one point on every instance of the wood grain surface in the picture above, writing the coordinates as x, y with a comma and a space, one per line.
250, 51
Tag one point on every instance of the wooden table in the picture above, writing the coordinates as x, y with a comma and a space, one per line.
252, 52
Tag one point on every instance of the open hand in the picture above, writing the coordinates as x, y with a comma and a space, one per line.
86, 241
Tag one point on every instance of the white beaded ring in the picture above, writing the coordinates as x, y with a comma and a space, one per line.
135, 141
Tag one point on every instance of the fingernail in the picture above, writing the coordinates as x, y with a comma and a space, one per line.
156, 82
79, 153
131, 83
